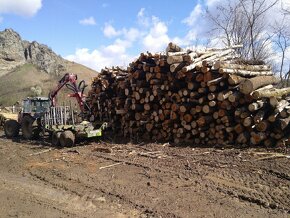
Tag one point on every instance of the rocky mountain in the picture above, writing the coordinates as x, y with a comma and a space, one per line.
25, 66
14, 52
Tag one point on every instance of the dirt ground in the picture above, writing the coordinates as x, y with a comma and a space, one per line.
101, 179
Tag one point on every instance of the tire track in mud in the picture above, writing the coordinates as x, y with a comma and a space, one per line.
256, 197
161, 172
280, 175
93, 189
252, 190
178, 184
139, 162
250, 197
56, 199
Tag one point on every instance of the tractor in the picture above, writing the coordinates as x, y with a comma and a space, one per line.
40, 115
28, 118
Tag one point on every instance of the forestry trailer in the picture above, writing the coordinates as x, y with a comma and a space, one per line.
40, 115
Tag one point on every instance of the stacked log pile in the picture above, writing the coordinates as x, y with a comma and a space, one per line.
199, 97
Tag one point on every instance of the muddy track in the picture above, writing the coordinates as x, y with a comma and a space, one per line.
145, 180
226, 183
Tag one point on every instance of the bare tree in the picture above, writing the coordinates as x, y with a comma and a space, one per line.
243, 22
282, 44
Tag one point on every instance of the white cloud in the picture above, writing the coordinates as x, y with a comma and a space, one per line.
212, 3
20, 7
132, 34
197, 24
153, 38
151, 34
88, 21
141, 12
191, 35
143, 19
110, 31
129, 34
118, 47
194, 15
93, 59
111, 55
152, 31
157, 38
115, 54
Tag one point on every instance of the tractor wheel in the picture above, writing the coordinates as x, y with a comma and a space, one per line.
67, 139
11, 128
27, 127
55, 138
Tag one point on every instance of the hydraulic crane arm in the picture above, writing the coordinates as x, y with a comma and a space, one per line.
69, 80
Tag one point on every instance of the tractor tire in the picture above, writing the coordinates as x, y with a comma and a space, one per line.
67, 139
27, 127
11, 128
55, 138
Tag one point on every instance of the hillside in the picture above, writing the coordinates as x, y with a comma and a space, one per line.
17, 84
26, 66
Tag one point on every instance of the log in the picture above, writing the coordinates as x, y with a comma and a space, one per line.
206, 109
262, 126
283, 123
243, 138
214, 81
176, 67
245, 73
272, 117
180, 53
224, 95
211, 96
284, 113
273, 101
250, 85
235, 79
172, 47
257, 138
256, 105
174, 59
212, 103
259, 116
281, 105
191, 67
234, 97
255, 68
271, 93
190, 57
248, 121
239, 128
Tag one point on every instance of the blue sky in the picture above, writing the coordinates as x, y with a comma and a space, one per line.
107, 32
57, 22
67, 26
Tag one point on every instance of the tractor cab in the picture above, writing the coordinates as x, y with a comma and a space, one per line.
35, 106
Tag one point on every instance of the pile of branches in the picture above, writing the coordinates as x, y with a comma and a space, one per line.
200, 97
